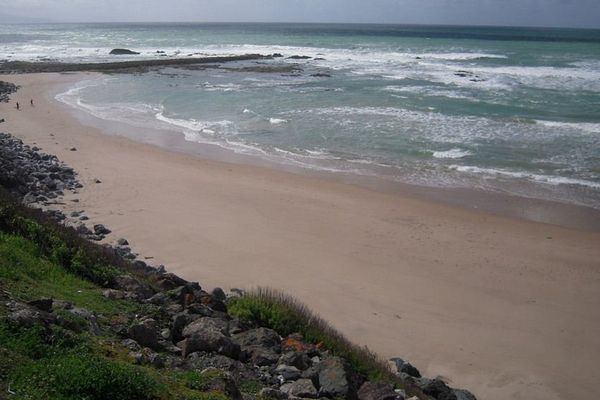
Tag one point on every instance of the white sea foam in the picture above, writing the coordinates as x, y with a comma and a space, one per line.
452, 153
545, 179
578, 126
278, 121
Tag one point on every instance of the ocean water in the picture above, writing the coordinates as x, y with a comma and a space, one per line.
508, 110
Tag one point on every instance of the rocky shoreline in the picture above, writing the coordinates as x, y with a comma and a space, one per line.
138, 66
192, 329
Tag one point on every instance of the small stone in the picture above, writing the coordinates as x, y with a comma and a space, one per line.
122, 242
288, 372
73, 149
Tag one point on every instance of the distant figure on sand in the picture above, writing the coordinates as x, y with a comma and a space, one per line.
17, 105
31, 101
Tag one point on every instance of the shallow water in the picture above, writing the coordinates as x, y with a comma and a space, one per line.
503, 109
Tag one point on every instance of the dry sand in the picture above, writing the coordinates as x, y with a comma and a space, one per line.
507, 308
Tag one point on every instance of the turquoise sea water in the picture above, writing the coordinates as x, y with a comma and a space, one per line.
502, 109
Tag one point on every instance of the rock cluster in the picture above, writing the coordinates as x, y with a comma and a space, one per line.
7, 88
32, 175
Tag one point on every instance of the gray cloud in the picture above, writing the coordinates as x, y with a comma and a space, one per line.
572, 13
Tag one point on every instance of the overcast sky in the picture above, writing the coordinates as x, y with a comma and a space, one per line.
570, 13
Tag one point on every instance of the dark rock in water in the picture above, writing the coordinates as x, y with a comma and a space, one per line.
145, 333
42, 304
119, 52
100, 229
277, 55
319, 59
321, 75
405, 367
302, 388
299, 58
378, 391
438, 390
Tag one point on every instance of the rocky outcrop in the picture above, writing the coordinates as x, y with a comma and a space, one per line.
6, 89
119, 52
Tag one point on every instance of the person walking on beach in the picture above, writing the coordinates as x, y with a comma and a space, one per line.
17, 105
31, 101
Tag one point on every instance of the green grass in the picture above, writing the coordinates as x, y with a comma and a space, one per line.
39, 258
27, 275
276, 310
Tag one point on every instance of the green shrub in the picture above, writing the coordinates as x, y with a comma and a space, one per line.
274, 309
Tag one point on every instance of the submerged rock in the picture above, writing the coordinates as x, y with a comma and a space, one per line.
119, 52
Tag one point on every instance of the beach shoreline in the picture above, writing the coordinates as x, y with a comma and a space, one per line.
496, 304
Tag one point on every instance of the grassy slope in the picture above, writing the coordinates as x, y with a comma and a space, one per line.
39, 258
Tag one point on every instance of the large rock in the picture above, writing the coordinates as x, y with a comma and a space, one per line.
337, 380
272, 394
438, 390
134, 286
208, 334
119, 52
405, 367
261, 345
378, 391
303, 388
145, 333
205, 324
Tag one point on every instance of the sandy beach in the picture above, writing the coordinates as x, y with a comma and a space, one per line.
504, 307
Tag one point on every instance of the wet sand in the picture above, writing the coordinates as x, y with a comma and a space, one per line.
504, 307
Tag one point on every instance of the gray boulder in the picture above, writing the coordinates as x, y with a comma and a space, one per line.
301, 388
262, 345
145, 333
438, 390
272, 394
133, 285
405, 367
208, 334
336, 379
